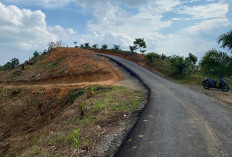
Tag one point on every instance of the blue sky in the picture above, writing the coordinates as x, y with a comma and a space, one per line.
168, 26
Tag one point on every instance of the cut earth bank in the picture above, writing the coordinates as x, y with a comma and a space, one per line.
44, 113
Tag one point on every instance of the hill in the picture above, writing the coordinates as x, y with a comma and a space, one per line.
62, 103
62, 65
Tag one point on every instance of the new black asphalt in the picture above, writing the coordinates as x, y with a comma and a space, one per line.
177, 121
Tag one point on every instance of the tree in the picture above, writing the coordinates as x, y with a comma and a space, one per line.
132, 48
82, 46
164, 57
216, 63
7, 66
140, 43
104, 47
116, 47
53, 45
1, 68
226, 40
75, 43
180, 65
95, 46
192, 58
10, 65
86, 46
14, 62
35, 54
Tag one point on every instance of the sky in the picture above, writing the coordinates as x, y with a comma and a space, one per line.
172, 27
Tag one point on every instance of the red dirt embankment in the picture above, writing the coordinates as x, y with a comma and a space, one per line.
32, 98
62, 65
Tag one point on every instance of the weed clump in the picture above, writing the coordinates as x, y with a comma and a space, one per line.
75, 93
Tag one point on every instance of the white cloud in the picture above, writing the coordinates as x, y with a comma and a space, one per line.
43, 3
208, 25
113, 19
182, 43
23, 31
120, 22
19, 27
213, 10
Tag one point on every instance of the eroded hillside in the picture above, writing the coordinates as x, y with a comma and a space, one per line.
62, 65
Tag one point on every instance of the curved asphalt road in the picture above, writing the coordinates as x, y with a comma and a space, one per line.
177, 121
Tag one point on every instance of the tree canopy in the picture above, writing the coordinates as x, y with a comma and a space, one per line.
104, 47
140, 43
226, 40
216, 63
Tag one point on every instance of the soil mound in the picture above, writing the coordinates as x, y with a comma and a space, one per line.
62, 65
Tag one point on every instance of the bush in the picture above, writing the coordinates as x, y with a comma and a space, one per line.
153, 56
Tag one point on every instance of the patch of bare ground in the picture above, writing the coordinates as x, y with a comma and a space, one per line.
217, 94
62, 65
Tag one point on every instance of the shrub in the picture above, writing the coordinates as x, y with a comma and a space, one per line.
153, 56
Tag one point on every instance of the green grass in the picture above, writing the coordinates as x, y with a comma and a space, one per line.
104, 106
75, 93
74, 138
117, 99
99, 105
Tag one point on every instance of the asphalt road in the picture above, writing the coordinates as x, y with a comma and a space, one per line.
177, 122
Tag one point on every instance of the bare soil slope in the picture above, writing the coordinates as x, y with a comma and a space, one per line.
62, 65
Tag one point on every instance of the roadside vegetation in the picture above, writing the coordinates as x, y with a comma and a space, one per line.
185, 70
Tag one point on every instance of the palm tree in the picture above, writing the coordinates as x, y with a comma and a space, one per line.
226, 40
